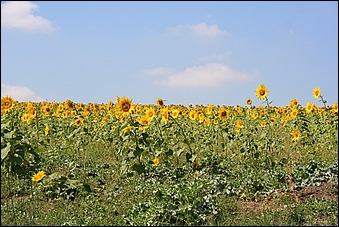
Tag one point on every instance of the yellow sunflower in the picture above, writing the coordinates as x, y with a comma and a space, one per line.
335, 108
222, 113
296, 134
193, 115
164, 115
150, 113
25, 117
207, 122
239, 124
309, 107
156, 162
47, 109
261, 92
69, 104
294, 103
175, 113
38, 176
124, 105
160, 102
46, 130
249, 101
294, 113
78, 121
316, 92
7, 103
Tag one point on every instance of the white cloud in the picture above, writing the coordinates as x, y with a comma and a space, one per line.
160, 71
209, 75
15, 14
216, 57
19, 93
200, 30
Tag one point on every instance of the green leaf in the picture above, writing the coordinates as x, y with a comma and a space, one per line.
188, 157
140, 168
9, 135
5, 151
169, 152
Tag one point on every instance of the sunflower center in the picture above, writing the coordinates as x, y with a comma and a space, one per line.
223, 113
262, 92
125, 107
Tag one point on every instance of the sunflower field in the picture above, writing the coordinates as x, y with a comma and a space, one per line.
122, 163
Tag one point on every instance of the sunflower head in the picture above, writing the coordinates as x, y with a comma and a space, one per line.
296, 134
124, 105
261, 92
249, 101
38, 176
316, 92
222, 113
160, 102
294, 103
155, 162
69, 104
78, 121
7, 103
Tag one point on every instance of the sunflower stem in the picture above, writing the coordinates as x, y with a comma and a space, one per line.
183, 132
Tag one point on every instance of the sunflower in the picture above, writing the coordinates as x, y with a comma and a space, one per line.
294, 113
175, 113
237, 129
263, 124
254, 115
335, 108
261, 92
294, 103
201, 118
46, 130
222, 113
195, 165
144, 120
316, 92
7, 103
160, 102
38, 176
25, 118
32, 112
128, 128
209, 109
68, 104
164, 115
47, 109
150, 113
124, 105
207, 122
155, 161
193, 115
296, 134
239, 124
114, 128
249, 101
309, 107
78, 121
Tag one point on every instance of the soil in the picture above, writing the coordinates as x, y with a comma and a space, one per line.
326, 190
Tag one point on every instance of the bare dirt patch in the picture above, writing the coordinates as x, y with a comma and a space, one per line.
326, 190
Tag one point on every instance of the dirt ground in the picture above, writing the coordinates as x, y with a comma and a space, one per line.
326, 191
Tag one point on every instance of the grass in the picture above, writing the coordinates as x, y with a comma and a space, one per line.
219, 193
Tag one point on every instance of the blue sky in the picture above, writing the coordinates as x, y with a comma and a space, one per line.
183, 52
